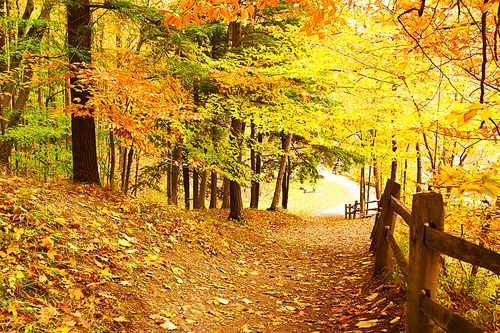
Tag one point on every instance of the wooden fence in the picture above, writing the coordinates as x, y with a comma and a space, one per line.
351, 210
427, 241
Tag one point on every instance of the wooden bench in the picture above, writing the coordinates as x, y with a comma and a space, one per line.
307, 189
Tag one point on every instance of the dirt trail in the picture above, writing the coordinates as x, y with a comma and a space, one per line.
315, 276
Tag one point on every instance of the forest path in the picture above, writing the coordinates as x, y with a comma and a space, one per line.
312, 275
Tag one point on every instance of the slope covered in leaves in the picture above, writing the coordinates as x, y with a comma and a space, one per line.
81, 259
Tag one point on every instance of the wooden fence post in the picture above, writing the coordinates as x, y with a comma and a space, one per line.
427, 209
387, 218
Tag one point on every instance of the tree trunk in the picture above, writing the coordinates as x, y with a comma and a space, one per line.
82, 128
281, 172
362, 191
258, 165
112, 158
196, 179
394, 164
419, 169
123, 166
286, 185
225, 193
129, 166
213, 190
203, 190
236, 201
185, 177
237, 127
252, 165
175, 175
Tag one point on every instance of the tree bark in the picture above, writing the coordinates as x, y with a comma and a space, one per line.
236, 201
196, 187
394, 163
129, 166
175, 175
203, 190
185, 177
252, 165
286, 185
237, 128
225, 193
281, 172
112, 159
362, 191
82, 127
213, 190
419, 169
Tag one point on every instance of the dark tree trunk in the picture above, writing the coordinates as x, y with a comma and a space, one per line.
286, 185
129, 166
362, 190
237, 128
175, 175
236, 201
123, 166
419, 169
258, 165
394, 164
196, 187
225, 193
82, 128
185, 177
252, 165
213, 190
286, 141
203, 190
112, 158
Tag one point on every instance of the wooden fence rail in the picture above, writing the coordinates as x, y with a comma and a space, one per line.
351, 210
427, 241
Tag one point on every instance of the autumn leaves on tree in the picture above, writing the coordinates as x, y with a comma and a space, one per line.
235, 94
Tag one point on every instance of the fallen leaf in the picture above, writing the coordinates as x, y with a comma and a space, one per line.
367, 323
371, 297
46, 314
120, 319
126, 283
47, 243
124, 243
62, 329
221, 300
168, 325
394, 320
75, 293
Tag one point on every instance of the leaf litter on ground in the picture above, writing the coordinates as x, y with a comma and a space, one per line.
82, 258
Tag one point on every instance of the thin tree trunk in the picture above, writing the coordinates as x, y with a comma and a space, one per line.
196, 179
225, 193
281, 172
394, 164
213, 190
237, 130
258, 165
236, 201
362, 191
175, 175
185, 177
136, 183
203, 190
129, 166
123, 166
252, 164
419, 169
112, 158
286, 185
